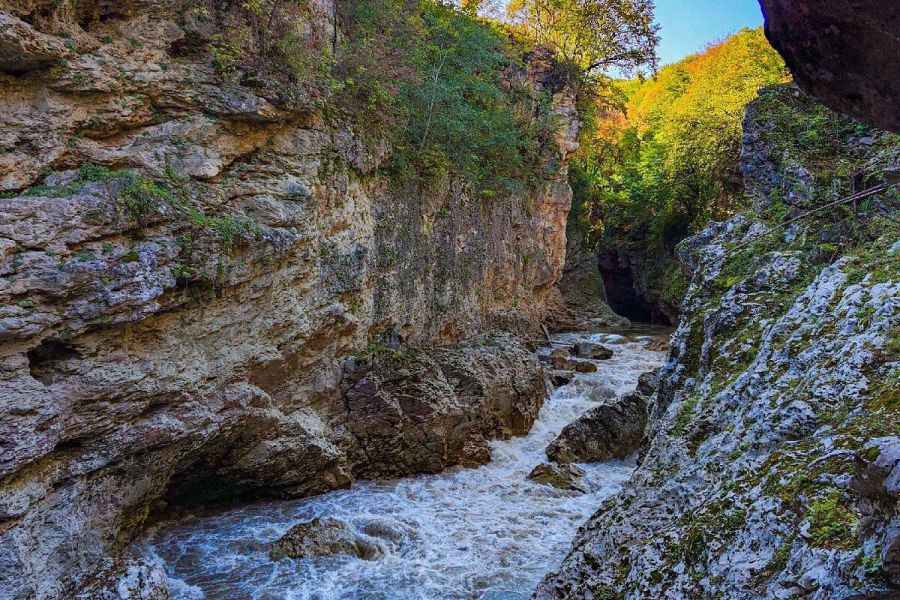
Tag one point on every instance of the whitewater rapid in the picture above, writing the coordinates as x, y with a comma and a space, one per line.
487, 533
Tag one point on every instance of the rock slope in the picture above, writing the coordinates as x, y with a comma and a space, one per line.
773, 466
186, 261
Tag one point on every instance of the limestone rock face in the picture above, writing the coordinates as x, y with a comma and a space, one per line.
583, 304
603, 433
420, 412
772, 462
846, 54
188, 259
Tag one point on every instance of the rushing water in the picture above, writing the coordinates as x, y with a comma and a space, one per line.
487, 533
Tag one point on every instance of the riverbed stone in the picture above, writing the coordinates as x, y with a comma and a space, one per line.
584, 366
648, 382
560, 378
325, 537
603, 433
592, 351
563, 477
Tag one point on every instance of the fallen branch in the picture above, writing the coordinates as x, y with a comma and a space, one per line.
878, 189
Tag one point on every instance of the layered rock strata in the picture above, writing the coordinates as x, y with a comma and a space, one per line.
186, 261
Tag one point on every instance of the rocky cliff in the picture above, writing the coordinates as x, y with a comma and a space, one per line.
189, 260
846, 54
773, 459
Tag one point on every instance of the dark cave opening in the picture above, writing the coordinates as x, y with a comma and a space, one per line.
45, 360
623, 297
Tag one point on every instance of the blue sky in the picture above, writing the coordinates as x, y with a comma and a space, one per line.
688, 26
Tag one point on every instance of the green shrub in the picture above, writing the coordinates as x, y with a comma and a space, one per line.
832, 524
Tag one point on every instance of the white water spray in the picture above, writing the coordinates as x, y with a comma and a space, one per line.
487, 533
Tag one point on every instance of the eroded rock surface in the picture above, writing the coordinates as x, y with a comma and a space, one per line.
607, 432
584, 304
186, 261
772, 462
125, 579
846, 54
420, 412
563, 477
325, 537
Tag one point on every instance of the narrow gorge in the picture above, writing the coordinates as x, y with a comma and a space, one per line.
337, 299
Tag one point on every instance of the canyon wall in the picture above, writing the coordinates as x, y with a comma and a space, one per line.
189, 265
772, 464
846, 54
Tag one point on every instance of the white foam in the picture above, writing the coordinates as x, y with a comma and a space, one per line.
468, 533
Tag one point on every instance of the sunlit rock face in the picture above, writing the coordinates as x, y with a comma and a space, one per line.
846, 54
772, 463
192, 342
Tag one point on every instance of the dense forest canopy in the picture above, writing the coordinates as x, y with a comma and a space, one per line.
436, 80
439, 77
664, 161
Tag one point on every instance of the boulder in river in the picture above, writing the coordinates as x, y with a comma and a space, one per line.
561, 378
657, 345
603, 433
648, 382
561, 360
592, 351
325, 537
583, 366
563, 477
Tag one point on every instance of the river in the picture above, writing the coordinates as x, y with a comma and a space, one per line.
486, 533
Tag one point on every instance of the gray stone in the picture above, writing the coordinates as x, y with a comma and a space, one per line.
325, 537
563, 477
603, 433
583, 366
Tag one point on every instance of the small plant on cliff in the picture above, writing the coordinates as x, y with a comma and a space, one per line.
832, 524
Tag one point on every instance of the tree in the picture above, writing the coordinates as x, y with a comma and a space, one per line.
595, 35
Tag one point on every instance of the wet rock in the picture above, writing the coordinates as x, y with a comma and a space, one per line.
561, 378
325, 537
648, 382
657, 345
583, 366
560, 359
592, 351
602, 353
422, 411
604, 433
563, 477
127, 579
390, 530
583, 350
